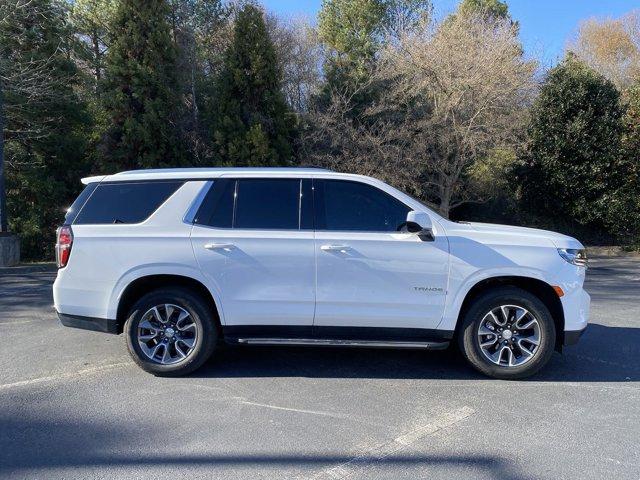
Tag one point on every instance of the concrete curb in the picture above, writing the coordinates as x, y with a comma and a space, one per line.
610, 251
9, 249
29, 268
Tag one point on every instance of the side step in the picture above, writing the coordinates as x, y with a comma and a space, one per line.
321, 342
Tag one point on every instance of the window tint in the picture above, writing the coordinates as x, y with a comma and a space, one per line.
353, 206
268, 204
217, 207
125, 202
75, 207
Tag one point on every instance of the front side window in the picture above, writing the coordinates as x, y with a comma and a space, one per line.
353, 206
124, 202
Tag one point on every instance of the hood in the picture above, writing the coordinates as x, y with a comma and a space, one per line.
530, 234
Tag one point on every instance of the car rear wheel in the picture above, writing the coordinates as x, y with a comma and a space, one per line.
507, 333
170, 332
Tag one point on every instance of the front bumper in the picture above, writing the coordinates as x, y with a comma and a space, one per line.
89, 323
576, 305
571, 337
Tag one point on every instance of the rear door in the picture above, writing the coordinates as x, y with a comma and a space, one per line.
253, 238
372, 279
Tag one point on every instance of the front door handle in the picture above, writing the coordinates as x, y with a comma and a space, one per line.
218, 246
335, 248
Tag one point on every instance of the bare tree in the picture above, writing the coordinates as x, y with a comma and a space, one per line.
201, 31
300, 56
611, 46
453, 99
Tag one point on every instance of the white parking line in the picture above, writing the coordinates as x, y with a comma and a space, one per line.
62, 376
362, 461
295, 410
17, 322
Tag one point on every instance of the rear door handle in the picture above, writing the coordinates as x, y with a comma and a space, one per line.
335, 248
218, 246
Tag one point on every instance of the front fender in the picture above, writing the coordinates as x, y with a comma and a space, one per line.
460, 288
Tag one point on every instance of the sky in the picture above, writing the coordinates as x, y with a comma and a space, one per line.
545, 25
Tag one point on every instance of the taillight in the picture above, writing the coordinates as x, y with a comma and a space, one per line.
63, 245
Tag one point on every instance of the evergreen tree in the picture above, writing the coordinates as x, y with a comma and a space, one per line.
631, 140
253, 125
92, 24
45, 122
492, 8
141, 92
575, 146
624, 208
352, 30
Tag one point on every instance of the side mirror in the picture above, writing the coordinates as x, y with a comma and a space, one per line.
420, 223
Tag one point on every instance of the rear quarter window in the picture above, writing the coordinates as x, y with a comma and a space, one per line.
124, 202
76, 206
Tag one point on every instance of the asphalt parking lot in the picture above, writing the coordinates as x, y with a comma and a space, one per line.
73, 405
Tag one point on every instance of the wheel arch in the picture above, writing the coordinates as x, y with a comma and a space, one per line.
537, 287
147, 283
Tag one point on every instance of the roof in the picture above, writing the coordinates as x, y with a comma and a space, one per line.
201, 173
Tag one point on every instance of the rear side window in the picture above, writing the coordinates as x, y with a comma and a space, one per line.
268, 204
124, 202
224, 194
75, 207
352, 206
258, 203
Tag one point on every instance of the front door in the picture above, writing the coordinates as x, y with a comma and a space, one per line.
255, 243
373, 280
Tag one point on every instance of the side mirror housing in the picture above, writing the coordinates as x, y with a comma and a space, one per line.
420, 223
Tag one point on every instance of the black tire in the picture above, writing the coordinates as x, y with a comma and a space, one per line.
203, 318
469, 344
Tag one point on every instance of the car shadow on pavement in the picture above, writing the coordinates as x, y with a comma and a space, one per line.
604, 354
45, 445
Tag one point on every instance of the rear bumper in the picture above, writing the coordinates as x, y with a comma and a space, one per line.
89, 323
571, 337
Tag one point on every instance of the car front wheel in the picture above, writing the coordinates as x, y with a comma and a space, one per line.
507, 333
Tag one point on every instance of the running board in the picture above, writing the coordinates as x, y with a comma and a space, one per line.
320, 342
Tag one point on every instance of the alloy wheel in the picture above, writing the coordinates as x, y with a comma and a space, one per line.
509, 335
167, 334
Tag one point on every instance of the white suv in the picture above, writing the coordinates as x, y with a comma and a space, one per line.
182, 259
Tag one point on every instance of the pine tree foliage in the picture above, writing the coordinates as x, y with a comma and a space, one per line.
141, 91
352, 30
91, 21
492, 8
253, 125
46, 124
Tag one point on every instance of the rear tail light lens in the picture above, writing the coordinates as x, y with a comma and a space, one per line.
63, 245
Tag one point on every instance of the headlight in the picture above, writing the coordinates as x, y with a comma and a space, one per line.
575, 256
